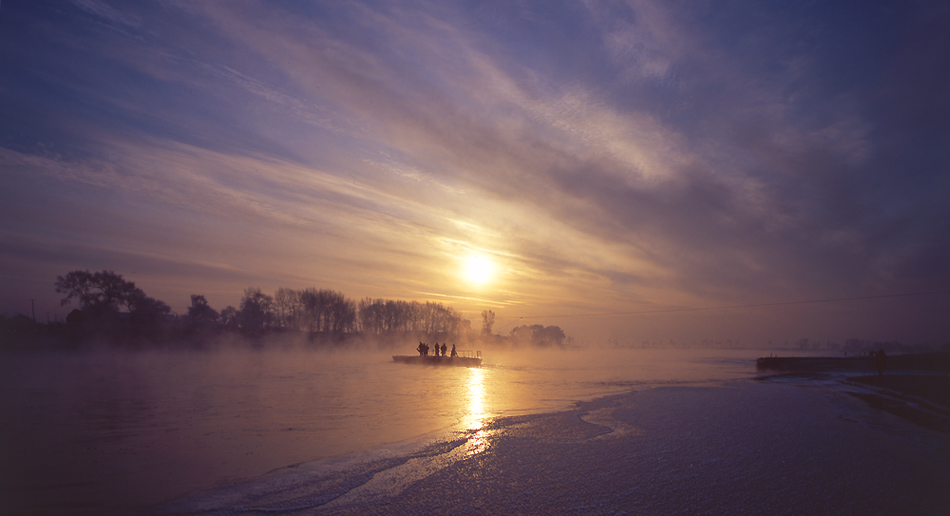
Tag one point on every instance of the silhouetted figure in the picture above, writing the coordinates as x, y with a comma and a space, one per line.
436, 349
443, 349
454, 354
421, 348
880, 362
425, 352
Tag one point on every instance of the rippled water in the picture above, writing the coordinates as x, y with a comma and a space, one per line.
108, 432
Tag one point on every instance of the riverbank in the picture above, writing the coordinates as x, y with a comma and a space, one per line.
923, 399
916, 386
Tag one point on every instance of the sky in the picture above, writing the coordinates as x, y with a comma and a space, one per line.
630, 170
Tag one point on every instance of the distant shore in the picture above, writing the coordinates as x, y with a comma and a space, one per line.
931, 362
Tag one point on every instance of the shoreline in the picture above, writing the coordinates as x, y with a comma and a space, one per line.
917, 388
734, 447
922, 399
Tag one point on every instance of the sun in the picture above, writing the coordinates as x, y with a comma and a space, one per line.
478, 270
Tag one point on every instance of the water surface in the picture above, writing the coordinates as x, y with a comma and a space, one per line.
103, 432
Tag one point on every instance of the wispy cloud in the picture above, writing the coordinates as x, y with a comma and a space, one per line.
608, 154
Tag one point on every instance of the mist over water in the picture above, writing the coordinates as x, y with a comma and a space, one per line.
109, 431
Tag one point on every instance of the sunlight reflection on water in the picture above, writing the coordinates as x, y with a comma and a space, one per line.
475, 419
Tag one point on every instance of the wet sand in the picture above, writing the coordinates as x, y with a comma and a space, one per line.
746, 447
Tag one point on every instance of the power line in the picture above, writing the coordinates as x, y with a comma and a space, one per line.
726, 307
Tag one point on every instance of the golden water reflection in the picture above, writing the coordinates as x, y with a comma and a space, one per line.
477, 417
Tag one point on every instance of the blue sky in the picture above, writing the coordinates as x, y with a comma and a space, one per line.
607, 157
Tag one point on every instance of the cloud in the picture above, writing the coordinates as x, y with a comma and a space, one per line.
109, 15
609, 154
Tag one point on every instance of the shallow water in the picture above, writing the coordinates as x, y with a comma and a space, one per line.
109, 432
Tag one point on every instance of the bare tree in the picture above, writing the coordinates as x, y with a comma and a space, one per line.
287, 308
381, 316
371, 315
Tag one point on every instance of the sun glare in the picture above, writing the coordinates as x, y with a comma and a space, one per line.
477, 416
478, 270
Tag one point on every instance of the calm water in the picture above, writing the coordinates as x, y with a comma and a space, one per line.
107, 432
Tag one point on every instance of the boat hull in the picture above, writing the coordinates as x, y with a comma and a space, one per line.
438, 361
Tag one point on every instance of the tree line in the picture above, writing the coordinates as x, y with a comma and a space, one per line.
329, 312
111, 306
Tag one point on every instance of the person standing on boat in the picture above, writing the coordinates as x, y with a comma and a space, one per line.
443, 349
421, 348
436, 349
454, 354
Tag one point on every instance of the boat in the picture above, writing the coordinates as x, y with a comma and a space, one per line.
463, 359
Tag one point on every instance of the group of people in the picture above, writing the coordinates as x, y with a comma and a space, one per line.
424, 349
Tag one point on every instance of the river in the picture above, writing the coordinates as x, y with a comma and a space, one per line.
116, 431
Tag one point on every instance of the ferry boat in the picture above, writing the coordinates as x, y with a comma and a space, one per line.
463, 359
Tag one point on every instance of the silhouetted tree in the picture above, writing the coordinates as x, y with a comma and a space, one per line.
335, 310
549, 336
230, 317
370, 315
287, 307
464, 327
442, 319
314, 305
102, 294
201, 317
257, 311
146, 314
381, 316
538, 335
97, 292
488, 320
